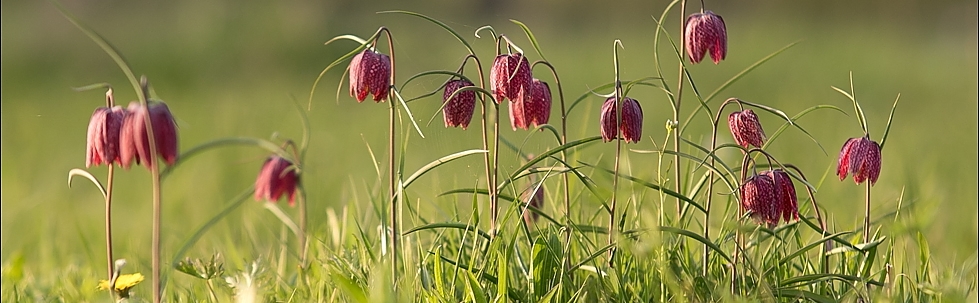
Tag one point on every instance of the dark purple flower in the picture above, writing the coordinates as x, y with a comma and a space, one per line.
770, 197
134, 143
746, 129
510, 74
102, 144
860, 157
705, 32
631, 128
533, 108
278, 177
787, 201
458, 111
370, 72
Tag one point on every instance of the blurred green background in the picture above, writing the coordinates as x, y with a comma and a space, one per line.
232, 68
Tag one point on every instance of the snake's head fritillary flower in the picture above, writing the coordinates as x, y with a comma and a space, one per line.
787, 202
860, 157
370, 73
510, 74
458, 110
705, 32
102, 144
134, 142
759, 197
278, 177
532, 107
631, 128
746, 129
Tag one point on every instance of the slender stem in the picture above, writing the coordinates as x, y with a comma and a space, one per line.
303, 228
618, 153
819, 218
395, 235
210, 291
154, 167
564, 159
109, 103
676, 111
494, 197
710, 184
866, 216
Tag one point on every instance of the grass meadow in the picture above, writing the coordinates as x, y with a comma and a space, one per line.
230, 69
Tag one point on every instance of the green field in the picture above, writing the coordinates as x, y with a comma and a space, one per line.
234, 69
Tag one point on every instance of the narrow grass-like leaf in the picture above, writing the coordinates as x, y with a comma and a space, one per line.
815, 278
798, 293
351, 54
438, 162
798, 116
652, 186
455, 225
804, 249
350, 288
84, 173
407, 110
545, 155
277, 211
246, 141
591, 257
437, 22
890, 118
530, 36
699, 238
475, 290
353, 38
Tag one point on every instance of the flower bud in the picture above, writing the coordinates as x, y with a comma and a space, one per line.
746, 129
102, 144
134, 144
370, 72
278, 177
631, 127
510, 74
860, 157
705, 32
458, 111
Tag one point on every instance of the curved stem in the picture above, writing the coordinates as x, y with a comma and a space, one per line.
395, 234
676, 111
154, 167
710, 184
564, 159
819, 218
618, 153
109, 102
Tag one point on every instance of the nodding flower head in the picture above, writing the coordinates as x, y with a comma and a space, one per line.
534, 199
102, 144
631, 128
770, 197
370, 72
134, 142
533, 108
278, 177
860, 157
705, 32
458, 111
746, 129
510, 74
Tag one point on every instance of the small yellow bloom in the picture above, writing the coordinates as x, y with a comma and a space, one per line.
123, 283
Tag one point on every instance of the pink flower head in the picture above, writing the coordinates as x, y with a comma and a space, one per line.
860, 157
458, 111
705, 32
277, 177
631, 127
510, 74
787, 203
746, 129
533, 108
102, 144
759, 197
134, 143
770, 197
534, 199
370, 72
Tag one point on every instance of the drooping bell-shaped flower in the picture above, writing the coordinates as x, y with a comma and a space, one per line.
370, 73
860, 157
746, 128
102, 144
631, 128
532, 107
787, 201
134, 142
705, 32
278, 177
458, 111
758, 196
510, 74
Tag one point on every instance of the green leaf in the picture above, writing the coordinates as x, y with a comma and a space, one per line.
407, 110
84, 173
652, 186
437, 22
797, 293
475, 291
890, 118
454, 225
697, 237
438, 162
530, 36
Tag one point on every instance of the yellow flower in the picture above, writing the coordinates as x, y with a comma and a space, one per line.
123, 284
